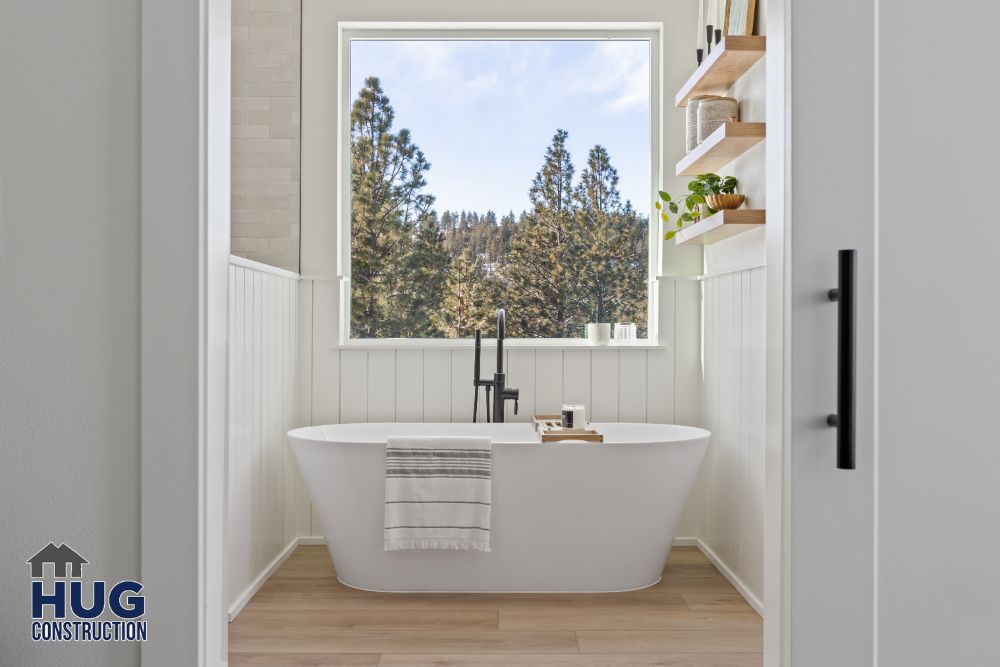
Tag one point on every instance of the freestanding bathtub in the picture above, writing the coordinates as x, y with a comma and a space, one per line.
566, 517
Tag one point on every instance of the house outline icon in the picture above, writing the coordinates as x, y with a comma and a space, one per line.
60, 557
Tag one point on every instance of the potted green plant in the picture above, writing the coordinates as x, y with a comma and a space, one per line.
711, 191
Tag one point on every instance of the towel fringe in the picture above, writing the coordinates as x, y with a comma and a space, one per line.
436, 544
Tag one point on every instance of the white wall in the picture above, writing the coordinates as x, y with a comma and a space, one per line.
268, 508
730, 490
69, 274
747, 249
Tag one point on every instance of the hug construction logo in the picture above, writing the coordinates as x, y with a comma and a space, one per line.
62, 610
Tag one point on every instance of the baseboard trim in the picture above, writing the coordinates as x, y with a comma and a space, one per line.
685, 541
312, 540
255, 585
737, 583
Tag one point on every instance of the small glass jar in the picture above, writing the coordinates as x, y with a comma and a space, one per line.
625, 333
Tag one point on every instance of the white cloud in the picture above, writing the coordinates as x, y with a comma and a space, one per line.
460, 70
618, 71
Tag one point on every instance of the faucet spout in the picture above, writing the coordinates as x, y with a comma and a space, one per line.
501, 325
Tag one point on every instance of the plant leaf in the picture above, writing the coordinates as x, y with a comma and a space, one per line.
664, 196
657, 205
673, 207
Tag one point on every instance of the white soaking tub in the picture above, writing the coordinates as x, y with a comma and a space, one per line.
566, 517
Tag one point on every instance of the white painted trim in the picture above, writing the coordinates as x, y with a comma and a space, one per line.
312, 541
778, 339
731, 576
469, 343
715, 274
262, 268
504, 29
685, 541
236, 607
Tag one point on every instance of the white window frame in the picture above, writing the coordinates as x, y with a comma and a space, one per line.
363, 30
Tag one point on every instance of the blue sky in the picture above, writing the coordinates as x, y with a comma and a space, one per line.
483, 112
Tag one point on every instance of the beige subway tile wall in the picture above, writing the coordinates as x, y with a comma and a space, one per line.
265, 158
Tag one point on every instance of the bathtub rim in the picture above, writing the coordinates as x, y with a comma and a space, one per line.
682, 433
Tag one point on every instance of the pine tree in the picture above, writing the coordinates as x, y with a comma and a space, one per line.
536, 270
428, 272
469, 298
508, 226
448, 226
387, 179
609, 276
634, 304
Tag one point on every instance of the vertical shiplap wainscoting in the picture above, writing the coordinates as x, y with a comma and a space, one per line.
731, 487
268, 505
435, 384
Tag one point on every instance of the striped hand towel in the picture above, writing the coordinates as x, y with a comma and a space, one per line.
437, 493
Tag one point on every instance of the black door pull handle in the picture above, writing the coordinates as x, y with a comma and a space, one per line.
845, 295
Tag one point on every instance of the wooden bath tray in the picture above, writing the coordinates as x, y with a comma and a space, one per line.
549, 428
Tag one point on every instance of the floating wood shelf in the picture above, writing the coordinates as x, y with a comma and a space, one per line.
729, 60
720, 226
721, 147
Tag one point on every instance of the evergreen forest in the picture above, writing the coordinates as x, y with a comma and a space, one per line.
578, 255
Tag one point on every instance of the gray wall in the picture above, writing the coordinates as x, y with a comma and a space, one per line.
265, 144
69, 303
938, 362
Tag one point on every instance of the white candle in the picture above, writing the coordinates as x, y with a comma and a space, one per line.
574, 416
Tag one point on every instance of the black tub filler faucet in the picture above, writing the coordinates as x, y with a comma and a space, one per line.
498, 385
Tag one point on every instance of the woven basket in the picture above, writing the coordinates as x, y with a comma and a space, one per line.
714, 112
721, 202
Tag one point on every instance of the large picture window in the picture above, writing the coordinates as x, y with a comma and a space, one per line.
495, 172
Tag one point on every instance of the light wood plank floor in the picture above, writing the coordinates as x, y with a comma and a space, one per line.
304, 616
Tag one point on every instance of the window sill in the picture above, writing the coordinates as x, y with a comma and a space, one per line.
468, 343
